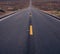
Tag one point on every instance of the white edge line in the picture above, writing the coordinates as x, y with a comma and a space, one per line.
7, 17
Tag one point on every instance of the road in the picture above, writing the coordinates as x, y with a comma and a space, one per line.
16, 39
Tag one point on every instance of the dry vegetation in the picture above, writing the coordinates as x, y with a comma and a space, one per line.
11, 6
52, 7
3, 14
56, 13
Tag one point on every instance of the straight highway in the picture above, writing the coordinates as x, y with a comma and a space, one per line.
30, 31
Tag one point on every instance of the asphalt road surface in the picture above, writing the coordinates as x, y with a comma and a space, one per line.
16, 39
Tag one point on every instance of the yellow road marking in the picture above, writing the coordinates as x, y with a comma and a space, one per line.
30, 15
31, 30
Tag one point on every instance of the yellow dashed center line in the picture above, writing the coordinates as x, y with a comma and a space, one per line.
30, 15
31, 30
